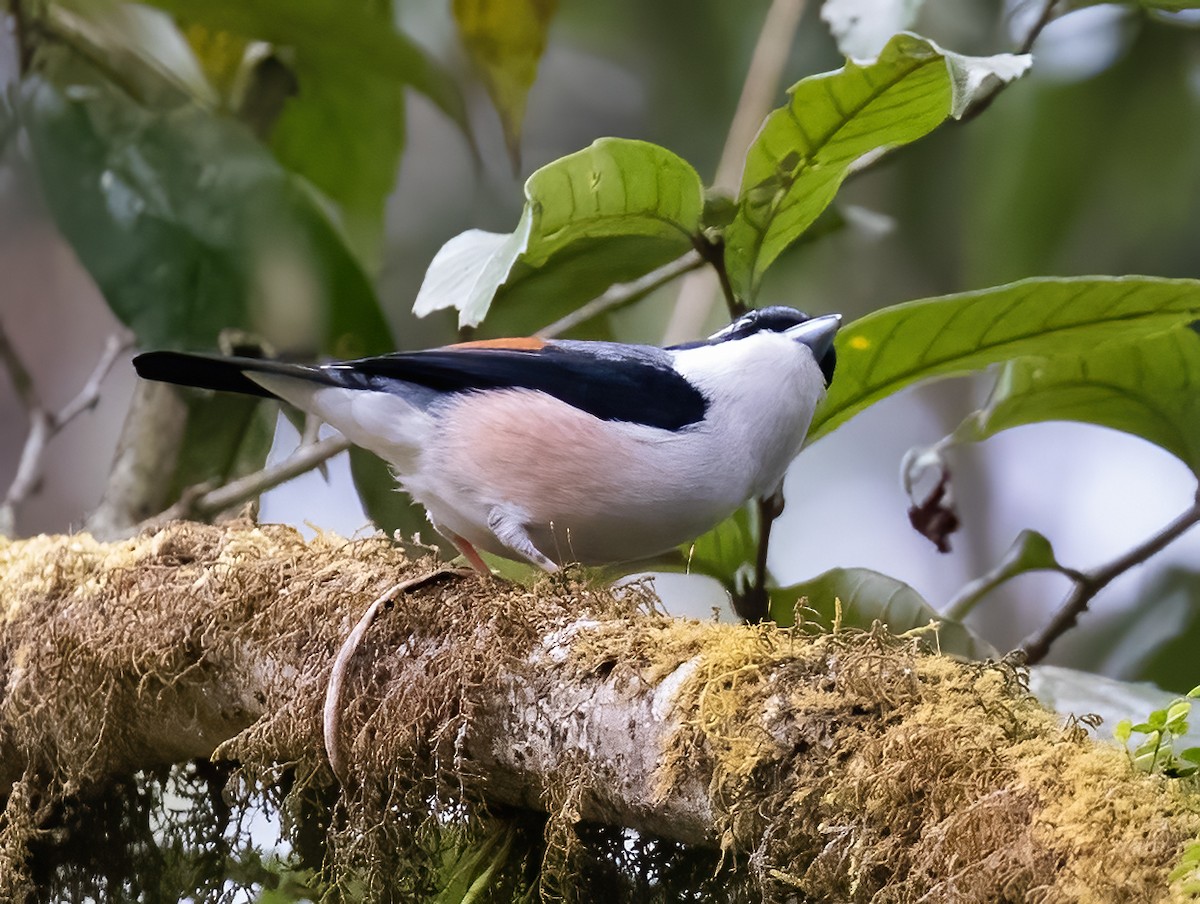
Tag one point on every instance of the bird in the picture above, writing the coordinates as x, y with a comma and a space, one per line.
559, 451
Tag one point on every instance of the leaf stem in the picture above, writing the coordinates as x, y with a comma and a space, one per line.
974, 591
754, 603
1089, 583
713, 252
1039, 26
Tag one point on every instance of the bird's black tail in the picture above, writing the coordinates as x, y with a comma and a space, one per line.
219, 372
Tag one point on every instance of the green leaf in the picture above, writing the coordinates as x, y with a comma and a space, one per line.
220, 55
1148, 386
1123, 731
1177, 715
142, 47
187, 224
470, 870
1029, 552
888, 350
866, 597
805, 149
578, 209
344, 132
350, 30
505, 42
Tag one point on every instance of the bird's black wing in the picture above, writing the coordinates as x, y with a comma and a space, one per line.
614, 383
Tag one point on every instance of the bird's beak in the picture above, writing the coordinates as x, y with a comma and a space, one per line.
817, 333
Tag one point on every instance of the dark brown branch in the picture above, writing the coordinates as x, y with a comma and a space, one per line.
753, 604
22, 29
1087, 584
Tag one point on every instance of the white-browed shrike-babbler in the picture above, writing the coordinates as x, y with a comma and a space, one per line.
557, 451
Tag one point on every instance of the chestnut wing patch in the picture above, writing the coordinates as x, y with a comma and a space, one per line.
631, 384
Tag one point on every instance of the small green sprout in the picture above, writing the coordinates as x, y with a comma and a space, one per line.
1161, 730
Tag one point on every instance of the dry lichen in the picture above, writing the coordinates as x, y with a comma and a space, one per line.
847, 767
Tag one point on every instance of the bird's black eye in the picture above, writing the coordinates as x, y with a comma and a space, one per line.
828, 364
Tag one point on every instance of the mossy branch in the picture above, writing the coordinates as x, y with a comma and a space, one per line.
844, 766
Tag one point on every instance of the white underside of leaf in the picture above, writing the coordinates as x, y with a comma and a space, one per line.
862, 27
974, 77
468, 270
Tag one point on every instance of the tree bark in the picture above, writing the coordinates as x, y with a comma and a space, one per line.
853, 766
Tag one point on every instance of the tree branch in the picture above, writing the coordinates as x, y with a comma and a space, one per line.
623, 294
1039, 25
847, 761
1089, 583
44, 424
204, 501
146, 457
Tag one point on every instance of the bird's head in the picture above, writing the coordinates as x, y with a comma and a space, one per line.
815, 332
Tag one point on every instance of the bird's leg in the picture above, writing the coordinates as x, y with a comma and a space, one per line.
468, 552
512, 533
754, 604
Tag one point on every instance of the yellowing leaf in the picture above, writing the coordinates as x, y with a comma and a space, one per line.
220, 54
505, 40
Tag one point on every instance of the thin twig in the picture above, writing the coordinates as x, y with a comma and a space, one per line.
89, 395
1088, 584
1039, 26
17, 373
332, 714
204, 502
699, 290
624, 294
44, 424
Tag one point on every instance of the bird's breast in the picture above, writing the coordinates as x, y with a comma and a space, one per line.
589, 490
